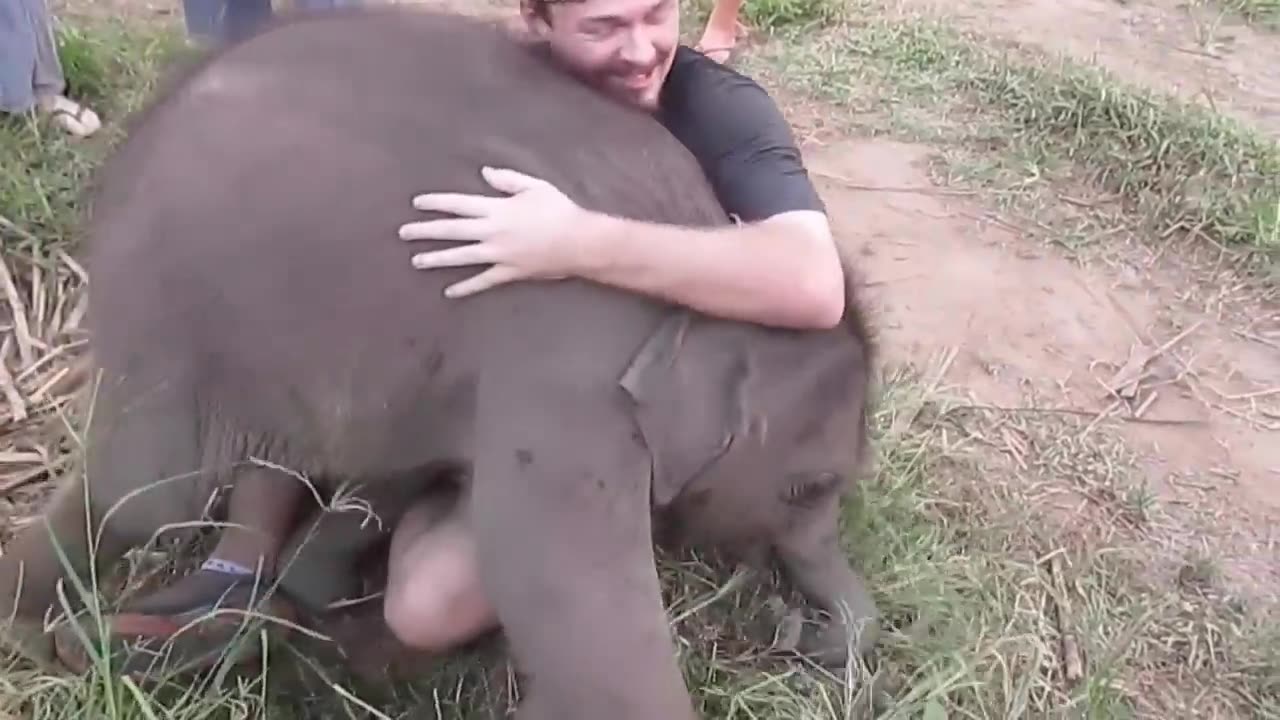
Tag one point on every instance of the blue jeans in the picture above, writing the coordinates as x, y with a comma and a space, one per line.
232, 19
29, 66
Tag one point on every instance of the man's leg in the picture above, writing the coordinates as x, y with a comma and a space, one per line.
213, 21
31, 72
17, 59
720, 36
433, 600
202, 18
261, 511
313, 5
244, 17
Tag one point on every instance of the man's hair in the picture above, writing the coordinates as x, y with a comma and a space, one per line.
542, 8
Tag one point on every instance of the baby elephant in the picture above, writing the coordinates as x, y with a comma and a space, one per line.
250, 299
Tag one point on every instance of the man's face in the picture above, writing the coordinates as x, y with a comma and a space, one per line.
622, 47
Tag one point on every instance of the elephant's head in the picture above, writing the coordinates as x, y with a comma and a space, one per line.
715, 396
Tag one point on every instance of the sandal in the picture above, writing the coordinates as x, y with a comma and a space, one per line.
192, 625
71, 116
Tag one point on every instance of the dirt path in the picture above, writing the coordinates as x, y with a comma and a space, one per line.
1018, 326
1187, 48
1027, 327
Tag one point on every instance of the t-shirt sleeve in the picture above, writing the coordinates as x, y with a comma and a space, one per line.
739, 136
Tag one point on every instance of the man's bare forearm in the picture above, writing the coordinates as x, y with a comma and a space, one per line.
784, 271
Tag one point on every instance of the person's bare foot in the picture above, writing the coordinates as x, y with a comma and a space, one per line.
69, 115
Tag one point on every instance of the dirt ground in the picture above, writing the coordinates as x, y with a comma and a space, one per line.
1191, 365
1019, 326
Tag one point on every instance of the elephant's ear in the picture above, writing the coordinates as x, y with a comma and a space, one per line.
688, 402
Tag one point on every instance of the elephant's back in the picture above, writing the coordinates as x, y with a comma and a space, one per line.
246, 232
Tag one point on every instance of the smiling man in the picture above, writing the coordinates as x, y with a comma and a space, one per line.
779, 267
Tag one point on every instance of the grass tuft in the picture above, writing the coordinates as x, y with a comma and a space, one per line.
776, 15
111, 68
768, 16
1182, 167
1265, 13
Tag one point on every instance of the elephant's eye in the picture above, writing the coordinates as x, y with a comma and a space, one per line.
808, 489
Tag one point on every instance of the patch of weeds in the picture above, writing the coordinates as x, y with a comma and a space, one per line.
1259, 668
1184, 168
1260, 12
43, 170
960, 558
770, 16
1011, 555
775, 15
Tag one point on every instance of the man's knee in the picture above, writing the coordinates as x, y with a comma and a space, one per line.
435, 602
420, 620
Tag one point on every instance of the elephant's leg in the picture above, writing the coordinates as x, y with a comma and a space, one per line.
153, 440
560, 507
811, 556
191, 623
31, 569
321, 563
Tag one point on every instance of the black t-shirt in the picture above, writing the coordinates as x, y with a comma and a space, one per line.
739, 136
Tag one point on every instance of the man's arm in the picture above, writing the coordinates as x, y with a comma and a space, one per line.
782, 271
779, 268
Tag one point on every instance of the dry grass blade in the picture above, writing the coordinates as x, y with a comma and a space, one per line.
1069, 644
40, 378
920, 190
18, 315
1126, 381
11, 227
17, 406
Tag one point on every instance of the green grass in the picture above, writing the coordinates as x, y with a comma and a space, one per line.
767, 16
110, 68
774, 15
1181, 168
1265, 13
977, 578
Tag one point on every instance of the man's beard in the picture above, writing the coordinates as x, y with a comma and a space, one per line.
611, 78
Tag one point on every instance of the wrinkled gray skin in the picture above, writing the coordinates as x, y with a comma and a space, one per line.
250, 298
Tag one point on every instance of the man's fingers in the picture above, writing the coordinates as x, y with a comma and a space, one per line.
453, 257
461, 204
446, 229
511, 181
491, 278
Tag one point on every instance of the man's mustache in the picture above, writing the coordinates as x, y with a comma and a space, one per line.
627, 69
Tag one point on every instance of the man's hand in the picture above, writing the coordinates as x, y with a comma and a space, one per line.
531, 235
